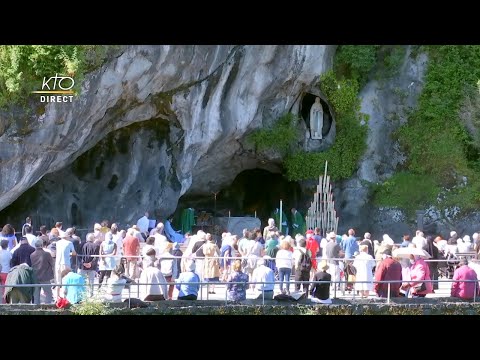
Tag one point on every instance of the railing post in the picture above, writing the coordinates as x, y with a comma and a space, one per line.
226, 293
388, 293
475, 293
263, 294
129, 296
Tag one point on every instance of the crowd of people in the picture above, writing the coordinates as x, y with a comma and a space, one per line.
110, 259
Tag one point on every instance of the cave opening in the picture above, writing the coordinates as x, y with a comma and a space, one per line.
252, 191
307, 101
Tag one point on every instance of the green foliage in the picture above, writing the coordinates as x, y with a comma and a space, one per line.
390, 58
91, 307
22, 67
349, 143
355, 61
437, 143
281, 136
406, 190
342, 94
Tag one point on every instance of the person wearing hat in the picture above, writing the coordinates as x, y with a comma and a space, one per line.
460, 288
43, 266
388, 269
321, 291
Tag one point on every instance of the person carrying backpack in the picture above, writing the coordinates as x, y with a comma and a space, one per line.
303, 264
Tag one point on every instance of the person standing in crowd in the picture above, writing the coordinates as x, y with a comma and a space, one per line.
388, 269
131, 248
270, 227
432, 250
367, 240
298, 223
28, 234
89, 260
301, 274
197, 251
364, 264
168, 267
143, 223
8, 233
321, 291
333, 252
22, 254
5, 257
349, 245
313, 247
419, 272
406, 241
108, 250
178, 257
284, 264
28, 222
64, 250
187, 290
465, 281
43, 233
261, 275
43, 266
211, 271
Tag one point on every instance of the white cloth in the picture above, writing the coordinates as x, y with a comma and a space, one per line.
364, 264
152, 276
31, 239
142, 224
420, 242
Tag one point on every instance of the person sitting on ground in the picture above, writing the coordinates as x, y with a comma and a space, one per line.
186, 290
261, 275
153, 284
237, 292
21, 274
321, 291
115, 284
74, 291
460, 288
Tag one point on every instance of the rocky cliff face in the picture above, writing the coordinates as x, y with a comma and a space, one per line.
165, 119
387, 104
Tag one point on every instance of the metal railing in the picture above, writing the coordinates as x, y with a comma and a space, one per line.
247, 284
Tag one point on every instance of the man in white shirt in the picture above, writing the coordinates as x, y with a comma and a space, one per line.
28, 234
142, 224
263, 274
64, 251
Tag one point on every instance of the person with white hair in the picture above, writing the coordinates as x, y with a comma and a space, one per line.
476, 241
187, 290
465, 245
333, 251
270, 227
364, 264
420, 241
263, 274
153, 284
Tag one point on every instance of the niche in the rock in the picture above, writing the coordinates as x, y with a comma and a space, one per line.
307, 101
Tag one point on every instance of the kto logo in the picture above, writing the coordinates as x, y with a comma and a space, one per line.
56, 85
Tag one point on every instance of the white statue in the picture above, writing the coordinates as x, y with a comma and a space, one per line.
316, 120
